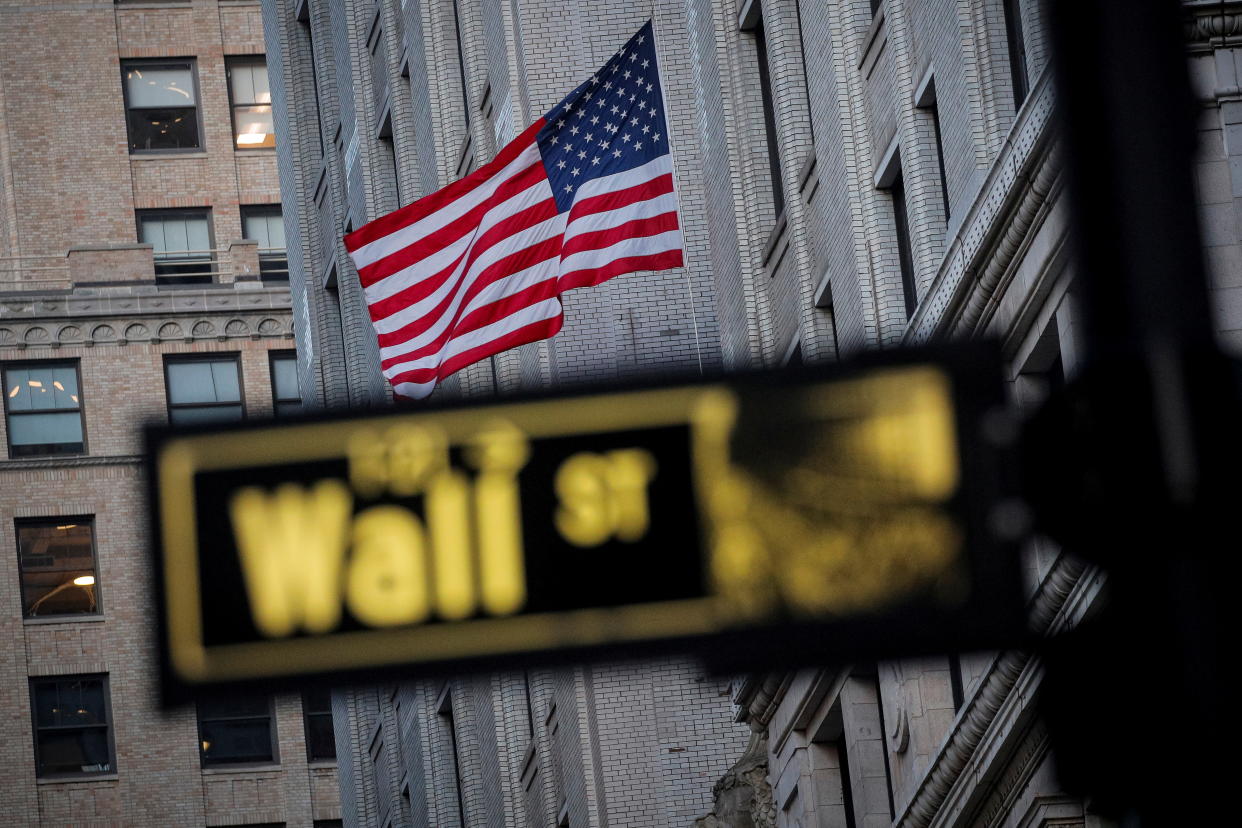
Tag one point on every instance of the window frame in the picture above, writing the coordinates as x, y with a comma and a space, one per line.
66, 617
7, 366
238, 60
247, 210
273, 737
208, 261
307, 713
198, 105
206, 356
32, 681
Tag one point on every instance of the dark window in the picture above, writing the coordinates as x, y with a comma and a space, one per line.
320, 739
44, 408
328, 823
252, 102
888, 774
1017, 51
875, 6
944, 180
161, 105
461, 67
955, 681
57, 562
286, 397
203, 390
182, 245
902, 226
236, 729
446, 710
847, 789
769, 120
71, 725
266, 225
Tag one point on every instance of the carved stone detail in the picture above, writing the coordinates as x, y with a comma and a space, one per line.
171, 330
237, 327
69, 333
203, 328
7, 337
136, 332
270, 327
103, 333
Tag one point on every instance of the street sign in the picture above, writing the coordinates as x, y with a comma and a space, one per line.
735, 519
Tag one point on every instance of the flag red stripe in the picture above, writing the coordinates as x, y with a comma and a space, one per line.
616, 199
637, 228
533, 332
595, 275
428, 204
451, 232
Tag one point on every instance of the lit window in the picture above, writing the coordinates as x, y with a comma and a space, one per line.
266, 225
182, 245
203, 390
71, 725
57, 562
286, 397
320, 739
44, 409
235, 730
161, 104
252, 103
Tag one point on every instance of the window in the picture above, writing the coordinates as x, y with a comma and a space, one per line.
875, 6
286, 396
203, 390
161, 105
44, 409
266, 225
71, 718
236, 730
57, 562
1017, 51
317, 711
769, 115
901, 225
925, 99
251, 99
182, 242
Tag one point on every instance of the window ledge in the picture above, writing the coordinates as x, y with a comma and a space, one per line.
247, 153
326, 764
225, 770
73, 780
165, 156
84, 618
774, 238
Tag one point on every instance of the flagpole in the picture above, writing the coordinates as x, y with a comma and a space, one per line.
672, 156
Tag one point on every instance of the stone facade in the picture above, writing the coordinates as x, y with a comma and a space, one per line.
77, 289
853, 175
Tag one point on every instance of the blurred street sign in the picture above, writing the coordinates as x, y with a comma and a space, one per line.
795, 517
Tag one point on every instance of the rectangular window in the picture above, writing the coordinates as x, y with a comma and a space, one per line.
902, 225
203, 389
1017, 51
44, 409
71, 717
875, 6
317, 711
286, 396
182, 245
161, 105
944, 180
236, 730
57, 562
251, 99
769, 120
265, 224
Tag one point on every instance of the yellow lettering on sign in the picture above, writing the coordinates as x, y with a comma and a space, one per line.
387, 583
604, 496
448, 517
499, 452
292, 544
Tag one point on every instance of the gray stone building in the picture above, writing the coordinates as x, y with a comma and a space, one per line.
853, 175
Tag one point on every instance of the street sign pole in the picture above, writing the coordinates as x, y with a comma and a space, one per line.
1147, 433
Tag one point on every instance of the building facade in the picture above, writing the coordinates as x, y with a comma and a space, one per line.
853, 175
142, 280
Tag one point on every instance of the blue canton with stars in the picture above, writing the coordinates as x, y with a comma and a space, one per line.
611, 123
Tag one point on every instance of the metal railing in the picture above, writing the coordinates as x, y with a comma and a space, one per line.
184, 268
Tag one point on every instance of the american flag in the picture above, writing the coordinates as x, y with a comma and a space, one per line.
583, 195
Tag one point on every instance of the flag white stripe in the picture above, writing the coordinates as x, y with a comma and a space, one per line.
626, 178
530, 314
442, 258
608, 219
643, 246
400, 239
542, 231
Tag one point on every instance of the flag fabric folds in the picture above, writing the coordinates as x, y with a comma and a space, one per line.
583, 195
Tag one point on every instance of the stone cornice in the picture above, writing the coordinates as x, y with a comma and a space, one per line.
984, 245
22, 464
981, 712
226, 324
1210, 24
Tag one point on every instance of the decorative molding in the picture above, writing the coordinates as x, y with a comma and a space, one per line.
34, 335
1211, 24
980, 714
71, 462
